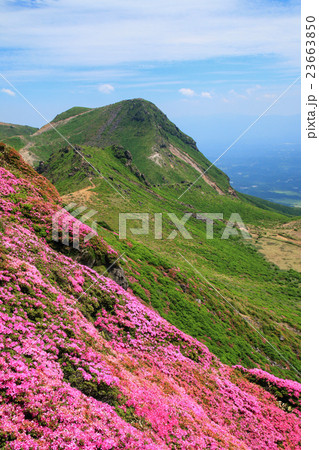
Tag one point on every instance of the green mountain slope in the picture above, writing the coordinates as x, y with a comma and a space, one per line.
264, 296
178, 277
75, 111
15, 135
159, 149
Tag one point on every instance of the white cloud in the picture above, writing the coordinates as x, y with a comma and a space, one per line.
8, 91
106, 88
187, 92
206, 94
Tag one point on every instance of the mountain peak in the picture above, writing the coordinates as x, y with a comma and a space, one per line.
159, 149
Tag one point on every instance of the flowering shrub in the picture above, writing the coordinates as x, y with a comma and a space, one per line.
85, 364
286, 391
26, 199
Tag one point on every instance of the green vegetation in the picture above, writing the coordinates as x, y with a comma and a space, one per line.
265, 296
262, 296
70, 113
15, 141
142, 129
98, 390
15, 135
9, 130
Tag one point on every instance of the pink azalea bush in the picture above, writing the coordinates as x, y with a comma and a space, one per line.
85, 364
288, 390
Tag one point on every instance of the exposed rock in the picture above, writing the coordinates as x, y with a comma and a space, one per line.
118, 275
183, 287
41, 167
122, 154
116, 272
85, 258
78, 163
126, 158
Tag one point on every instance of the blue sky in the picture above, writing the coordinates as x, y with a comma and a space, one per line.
201, 61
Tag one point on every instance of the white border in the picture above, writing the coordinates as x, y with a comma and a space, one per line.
310, 247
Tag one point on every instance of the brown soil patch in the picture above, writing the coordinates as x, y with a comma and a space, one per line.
280, 245
82, 196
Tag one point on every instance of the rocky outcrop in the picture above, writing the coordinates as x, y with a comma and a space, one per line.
126, 158
118, 275
90, 259
79, 163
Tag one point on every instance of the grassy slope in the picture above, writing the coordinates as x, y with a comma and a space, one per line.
70, 113
270, 206
263, 294
15, 135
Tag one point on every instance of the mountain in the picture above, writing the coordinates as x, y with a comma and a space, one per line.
159, 150
142, 129
86, 363
244, 306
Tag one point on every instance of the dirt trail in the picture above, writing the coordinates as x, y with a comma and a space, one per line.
29, 156
48, 126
